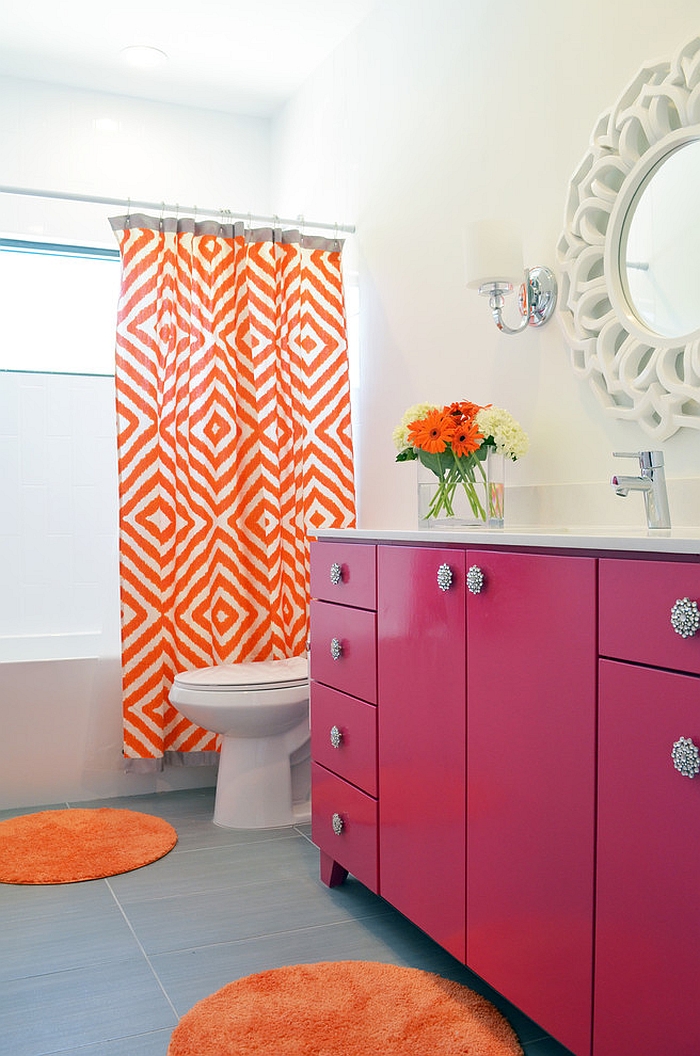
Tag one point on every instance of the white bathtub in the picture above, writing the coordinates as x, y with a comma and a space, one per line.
61, 725
49, 699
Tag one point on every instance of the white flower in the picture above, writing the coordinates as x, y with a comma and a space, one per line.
508, 435
413, 414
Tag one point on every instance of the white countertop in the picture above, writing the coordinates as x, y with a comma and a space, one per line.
642, 540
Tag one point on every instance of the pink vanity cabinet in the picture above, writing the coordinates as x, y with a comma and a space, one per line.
647, 972
491, 699
343, 672
422, 737
531, 692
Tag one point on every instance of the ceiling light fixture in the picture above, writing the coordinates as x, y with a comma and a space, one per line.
144, 57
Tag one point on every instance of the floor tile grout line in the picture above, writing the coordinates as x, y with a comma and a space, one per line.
143, 951
268, 935
233, 843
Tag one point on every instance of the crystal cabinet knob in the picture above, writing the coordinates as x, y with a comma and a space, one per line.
336, 737
336, 574
336, 648
338, 824
444, 577
475, 580
685, 618
686, 757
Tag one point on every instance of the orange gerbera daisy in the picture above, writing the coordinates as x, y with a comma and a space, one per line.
432, 433
466, 438
464, 409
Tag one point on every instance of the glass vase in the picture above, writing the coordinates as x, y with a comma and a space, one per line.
473, 505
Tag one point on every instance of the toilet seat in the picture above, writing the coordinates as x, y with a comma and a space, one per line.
255, 675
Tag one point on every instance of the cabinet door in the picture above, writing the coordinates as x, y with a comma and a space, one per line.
421, 721
647, 991
531, 670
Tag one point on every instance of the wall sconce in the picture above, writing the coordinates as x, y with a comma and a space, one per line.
494, 265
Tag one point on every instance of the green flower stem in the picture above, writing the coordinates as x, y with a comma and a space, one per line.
453, 472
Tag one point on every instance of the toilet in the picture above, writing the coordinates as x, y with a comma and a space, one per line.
261, 710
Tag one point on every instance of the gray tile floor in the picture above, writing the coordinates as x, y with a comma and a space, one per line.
106, 967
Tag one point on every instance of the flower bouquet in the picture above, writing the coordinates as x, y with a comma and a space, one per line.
455, 443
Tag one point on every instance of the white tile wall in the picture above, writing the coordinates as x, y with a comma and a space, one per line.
58, 506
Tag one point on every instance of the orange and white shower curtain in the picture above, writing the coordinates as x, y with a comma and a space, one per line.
234, 444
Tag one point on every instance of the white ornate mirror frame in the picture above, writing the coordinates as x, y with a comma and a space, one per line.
637, 374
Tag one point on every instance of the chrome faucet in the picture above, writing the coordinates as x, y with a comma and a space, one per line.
651, 482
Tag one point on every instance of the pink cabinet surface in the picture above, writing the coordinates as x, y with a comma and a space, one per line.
343, 649
344, 826
647, 991
343, 668
344, 737
636, 599
421, 723
531, 690
456, 737
344, 573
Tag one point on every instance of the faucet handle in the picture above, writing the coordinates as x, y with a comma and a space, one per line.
647, 459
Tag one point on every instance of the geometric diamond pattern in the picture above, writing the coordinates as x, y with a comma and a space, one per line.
234, 444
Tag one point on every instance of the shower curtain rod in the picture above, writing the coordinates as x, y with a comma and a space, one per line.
195, 210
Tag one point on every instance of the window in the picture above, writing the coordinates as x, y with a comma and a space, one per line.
58, 306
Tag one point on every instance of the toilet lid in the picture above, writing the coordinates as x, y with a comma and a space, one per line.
257, 674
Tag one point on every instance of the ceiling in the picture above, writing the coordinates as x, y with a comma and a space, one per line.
242, 56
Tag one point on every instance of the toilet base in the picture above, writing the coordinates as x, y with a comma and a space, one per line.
254, 786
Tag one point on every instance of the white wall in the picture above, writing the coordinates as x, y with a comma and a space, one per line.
91, 143
61, 718
437, 114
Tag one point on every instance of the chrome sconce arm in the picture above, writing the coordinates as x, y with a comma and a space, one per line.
537, 301
493, 265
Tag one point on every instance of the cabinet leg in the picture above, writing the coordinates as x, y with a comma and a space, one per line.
332, 874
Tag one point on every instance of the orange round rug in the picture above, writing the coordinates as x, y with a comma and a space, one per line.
65, 846
344, 1008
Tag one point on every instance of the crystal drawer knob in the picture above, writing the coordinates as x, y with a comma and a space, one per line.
685, 618
338, 824
336, 574
336, 648
686, 757
475, 580
336, 737
444, 577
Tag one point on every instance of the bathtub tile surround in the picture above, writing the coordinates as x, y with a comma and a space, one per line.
58, 504
112, 964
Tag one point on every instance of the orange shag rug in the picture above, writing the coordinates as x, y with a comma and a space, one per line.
344, 1008
65, 846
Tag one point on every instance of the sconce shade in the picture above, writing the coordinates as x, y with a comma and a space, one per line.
492, 252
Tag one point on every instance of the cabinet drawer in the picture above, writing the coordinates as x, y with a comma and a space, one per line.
355, 846
343, 649
636, 598
351, 751
344, 573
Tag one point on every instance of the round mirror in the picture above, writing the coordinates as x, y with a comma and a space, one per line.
660, 246
629, 255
